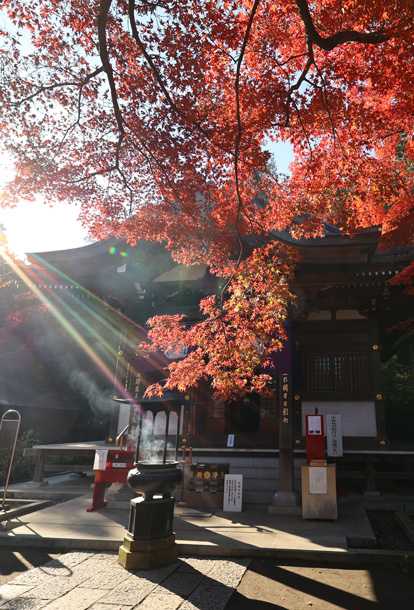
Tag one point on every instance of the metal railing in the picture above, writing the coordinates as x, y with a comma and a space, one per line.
9, 432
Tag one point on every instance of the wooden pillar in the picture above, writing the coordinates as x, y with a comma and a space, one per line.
113, 424
376, 369
285, 434
286, 499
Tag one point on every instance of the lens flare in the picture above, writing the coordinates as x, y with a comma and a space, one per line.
113, 250
51, 296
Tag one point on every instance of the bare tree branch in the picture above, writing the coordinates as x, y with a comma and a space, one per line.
104, 7
45, 88
341, 37
158, 78
240, 206
103, 52
239, 124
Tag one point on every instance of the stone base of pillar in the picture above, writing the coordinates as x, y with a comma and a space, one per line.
147, 554
285, 503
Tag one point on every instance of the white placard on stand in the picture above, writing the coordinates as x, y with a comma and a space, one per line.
318, 483
334, 435
315, 424
101, 456
233, 492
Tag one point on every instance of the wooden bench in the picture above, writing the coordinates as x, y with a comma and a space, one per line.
42, 452
368, 459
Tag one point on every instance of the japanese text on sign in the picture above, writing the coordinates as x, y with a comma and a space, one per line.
315, 424
318, 482
233, 492
101, 456
285, 404
334, 435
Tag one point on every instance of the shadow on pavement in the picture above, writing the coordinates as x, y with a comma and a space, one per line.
267, 585
13, 563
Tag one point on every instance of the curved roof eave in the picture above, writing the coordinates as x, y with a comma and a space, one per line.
82, 252
332, 237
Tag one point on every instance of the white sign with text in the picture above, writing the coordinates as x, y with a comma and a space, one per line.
318, 481
233, 492
101, 456
334, 435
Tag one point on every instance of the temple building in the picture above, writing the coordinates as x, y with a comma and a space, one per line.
337, 335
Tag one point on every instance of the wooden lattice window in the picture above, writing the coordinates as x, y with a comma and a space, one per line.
341, 373
216, 408
269, 404
268, 407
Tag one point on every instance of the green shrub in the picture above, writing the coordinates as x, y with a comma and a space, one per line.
23, 467
398, 383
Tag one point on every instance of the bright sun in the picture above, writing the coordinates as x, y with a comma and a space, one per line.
33, 226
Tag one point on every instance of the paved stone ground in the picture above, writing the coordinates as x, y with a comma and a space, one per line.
85, 580
15, 562
82, 580
268, 585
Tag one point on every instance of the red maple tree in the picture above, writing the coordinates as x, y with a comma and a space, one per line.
153, 116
